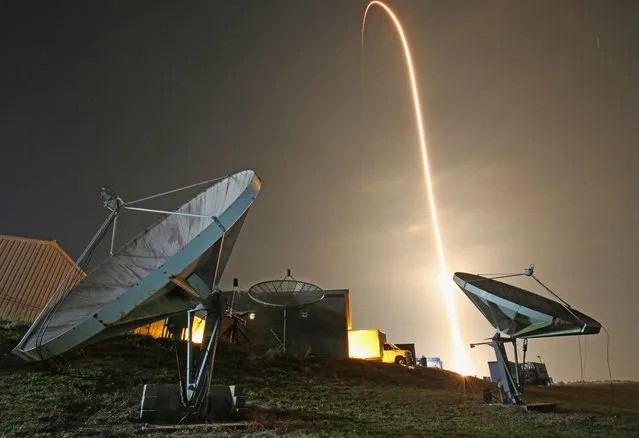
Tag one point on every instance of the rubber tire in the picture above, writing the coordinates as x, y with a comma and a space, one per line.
400, 360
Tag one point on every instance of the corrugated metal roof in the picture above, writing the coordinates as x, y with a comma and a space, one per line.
30, 272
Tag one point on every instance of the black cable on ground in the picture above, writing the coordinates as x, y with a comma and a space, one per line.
581, 362
612, 386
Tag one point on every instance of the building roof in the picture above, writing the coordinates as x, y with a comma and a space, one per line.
31, 271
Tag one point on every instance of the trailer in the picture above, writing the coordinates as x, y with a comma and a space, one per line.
411, 348
532, 373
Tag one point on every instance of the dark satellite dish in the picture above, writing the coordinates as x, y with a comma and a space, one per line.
167, 269
285, 293
520, 314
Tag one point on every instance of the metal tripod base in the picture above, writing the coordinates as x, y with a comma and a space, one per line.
234, 333
510, 385
162, 403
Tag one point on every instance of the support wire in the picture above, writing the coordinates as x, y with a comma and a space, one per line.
80, 264
175, 190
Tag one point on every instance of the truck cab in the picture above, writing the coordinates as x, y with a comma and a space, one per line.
393, 354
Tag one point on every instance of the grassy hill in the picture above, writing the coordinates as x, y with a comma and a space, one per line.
96, 392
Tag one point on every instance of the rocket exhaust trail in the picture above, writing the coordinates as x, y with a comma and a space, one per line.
460, 361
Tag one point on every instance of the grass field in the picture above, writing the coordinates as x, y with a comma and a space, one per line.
97, 393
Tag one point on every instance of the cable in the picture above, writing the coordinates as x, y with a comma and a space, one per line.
585, 356
581, 362
567, 307
177, 357
612, 386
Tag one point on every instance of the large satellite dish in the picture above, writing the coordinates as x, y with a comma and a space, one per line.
285, 293
520, 314
167, 269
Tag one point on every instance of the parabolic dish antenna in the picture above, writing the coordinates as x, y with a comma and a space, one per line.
522, 314
285, 293
167, 269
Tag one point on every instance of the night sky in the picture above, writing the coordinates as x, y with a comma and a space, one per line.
532, 125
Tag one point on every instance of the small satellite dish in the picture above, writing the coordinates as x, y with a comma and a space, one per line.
285, 293
167, 269
520, 314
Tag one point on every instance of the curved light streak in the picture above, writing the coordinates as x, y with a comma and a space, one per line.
460, 361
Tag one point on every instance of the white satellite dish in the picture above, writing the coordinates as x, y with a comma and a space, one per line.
167, 269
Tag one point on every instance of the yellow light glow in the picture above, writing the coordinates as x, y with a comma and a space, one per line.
460, 361
156, 329
364, 344
198, 330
